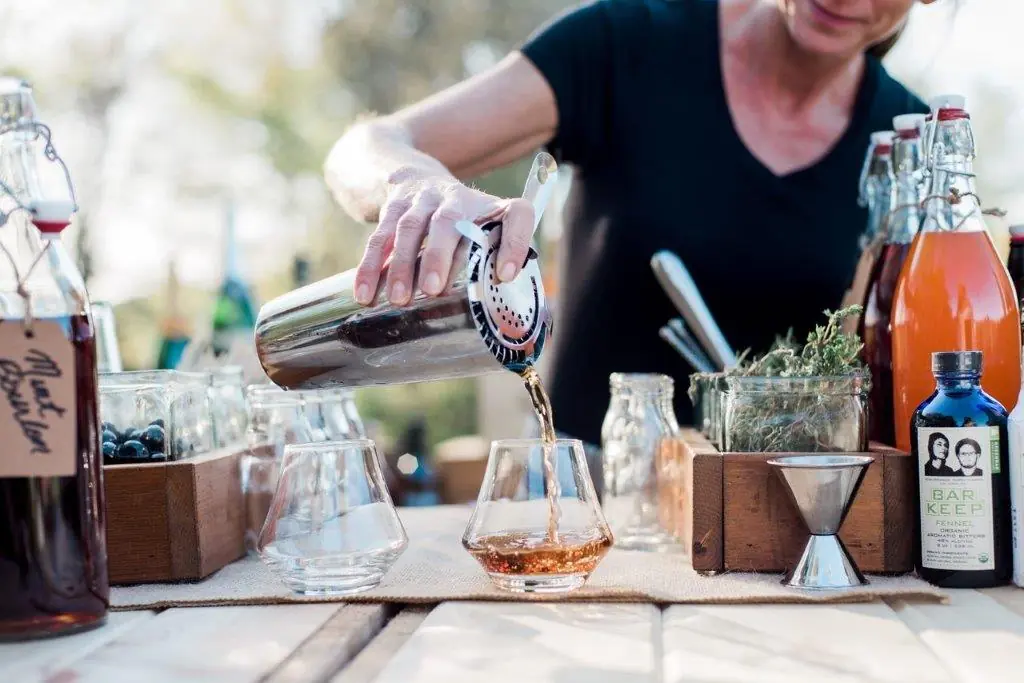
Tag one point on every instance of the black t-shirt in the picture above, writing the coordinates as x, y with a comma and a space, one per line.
644, 121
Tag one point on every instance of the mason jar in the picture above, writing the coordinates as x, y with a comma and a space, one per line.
797, 414
639, 421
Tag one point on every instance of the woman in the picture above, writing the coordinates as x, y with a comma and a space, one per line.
731, 132
938, 450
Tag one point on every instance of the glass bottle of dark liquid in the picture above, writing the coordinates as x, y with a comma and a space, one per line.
174, 336
960, 447
1016, 261
234, 313
900, 224
876, 193
53, 562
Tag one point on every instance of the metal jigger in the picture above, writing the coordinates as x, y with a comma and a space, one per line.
822, 487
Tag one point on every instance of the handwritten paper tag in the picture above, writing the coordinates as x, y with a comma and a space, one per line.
37, 401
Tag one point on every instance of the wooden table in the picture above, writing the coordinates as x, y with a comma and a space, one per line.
978, 638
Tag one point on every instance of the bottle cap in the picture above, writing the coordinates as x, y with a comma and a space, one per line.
956, 362
947, 102
51, 216
882, 137
908, 125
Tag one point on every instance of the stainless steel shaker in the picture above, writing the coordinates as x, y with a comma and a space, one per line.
319, 336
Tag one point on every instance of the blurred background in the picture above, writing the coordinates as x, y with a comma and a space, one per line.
195, 131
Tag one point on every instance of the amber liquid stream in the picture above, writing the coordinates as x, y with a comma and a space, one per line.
53, 562
542, 407
954, 294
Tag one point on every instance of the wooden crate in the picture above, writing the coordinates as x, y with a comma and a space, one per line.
733, 511
175, 521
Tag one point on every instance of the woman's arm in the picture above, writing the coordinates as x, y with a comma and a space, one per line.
403, 171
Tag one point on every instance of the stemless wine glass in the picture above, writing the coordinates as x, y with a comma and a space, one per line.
332, 528
537, 526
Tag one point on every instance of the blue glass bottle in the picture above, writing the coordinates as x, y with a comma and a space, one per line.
962, 479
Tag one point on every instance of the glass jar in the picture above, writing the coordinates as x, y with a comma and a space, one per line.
332, 414
797, 414
639, 420
276, 418
176, 402
228, 407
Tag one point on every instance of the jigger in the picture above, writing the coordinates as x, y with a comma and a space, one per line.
822, 487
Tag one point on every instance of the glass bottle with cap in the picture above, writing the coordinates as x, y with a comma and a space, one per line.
53, 560
899, 226
1016, 468
876, 192
954, 292
963, 483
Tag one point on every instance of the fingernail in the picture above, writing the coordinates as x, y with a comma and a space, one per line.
507, 272
432, 283
363, 294
398, 293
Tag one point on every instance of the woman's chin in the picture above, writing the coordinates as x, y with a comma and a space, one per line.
815, 41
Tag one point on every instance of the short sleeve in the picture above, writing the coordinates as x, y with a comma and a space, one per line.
574, 53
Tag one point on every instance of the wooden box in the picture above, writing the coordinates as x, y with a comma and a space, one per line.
734, 513
175, 521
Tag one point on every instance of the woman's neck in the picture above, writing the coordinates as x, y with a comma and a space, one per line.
754, 31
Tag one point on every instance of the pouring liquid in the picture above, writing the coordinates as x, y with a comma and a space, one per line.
542, 407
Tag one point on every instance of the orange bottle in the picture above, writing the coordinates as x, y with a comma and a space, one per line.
954, 292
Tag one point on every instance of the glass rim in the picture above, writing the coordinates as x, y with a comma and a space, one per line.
522, 442
322, 446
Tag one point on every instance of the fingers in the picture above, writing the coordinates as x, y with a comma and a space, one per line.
516, 233
439, 250
378, 247
409, 231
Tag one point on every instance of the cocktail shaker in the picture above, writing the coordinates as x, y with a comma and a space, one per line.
320, 336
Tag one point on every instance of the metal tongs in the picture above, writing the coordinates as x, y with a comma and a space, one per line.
713, 352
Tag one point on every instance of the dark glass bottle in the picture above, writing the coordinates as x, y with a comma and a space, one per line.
1016, 261
899, 226
174, 336
234, 314
960, 446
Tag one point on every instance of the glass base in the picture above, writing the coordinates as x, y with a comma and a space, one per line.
342, 583
49, 627
557, 583
647, 541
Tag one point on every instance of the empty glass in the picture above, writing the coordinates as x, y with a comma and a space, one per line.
259, 481
532, 533
332, 528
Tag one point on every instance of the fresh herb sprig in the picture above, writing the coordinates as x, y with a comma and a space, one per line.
829, 419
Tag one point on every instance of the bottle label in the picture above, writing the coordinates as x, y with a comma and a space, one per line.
38, 412
955, 467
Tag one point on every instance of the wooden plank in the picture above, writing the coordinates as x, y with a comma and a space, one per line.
329, 649
977, 638
1010, 597
536, 642
199, 644
371, 660
900, 518
782, 643
40, 660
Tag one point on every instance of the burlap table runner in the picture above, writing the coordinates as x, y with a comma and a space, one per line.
435, 568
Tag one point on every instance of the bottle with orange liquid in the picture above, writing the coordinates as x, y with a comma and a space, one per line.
954, 292
898, 228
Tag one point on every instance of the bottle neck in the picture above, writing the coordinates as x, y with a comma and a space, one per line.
952, 203
958, 382
905, 216
231, 261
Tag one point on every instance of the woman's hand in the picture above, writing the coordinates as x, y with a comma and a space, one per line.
421, 211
